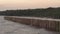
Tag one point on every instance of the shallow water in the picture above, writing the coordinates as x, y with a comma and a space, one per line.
8, 27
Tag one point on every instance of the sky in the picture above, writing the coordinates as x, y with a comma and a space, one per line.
28, 4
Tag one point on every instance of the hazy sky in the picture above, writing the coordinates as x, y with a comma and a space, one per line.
15, 4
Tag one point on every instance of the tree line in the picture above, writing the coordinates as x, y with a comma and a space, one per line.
47, 12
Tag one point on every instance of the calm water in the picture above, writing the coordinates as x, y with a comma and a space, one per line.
8, 27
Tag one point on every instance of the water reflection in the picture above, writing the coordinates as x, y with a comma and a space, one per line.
8, 27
